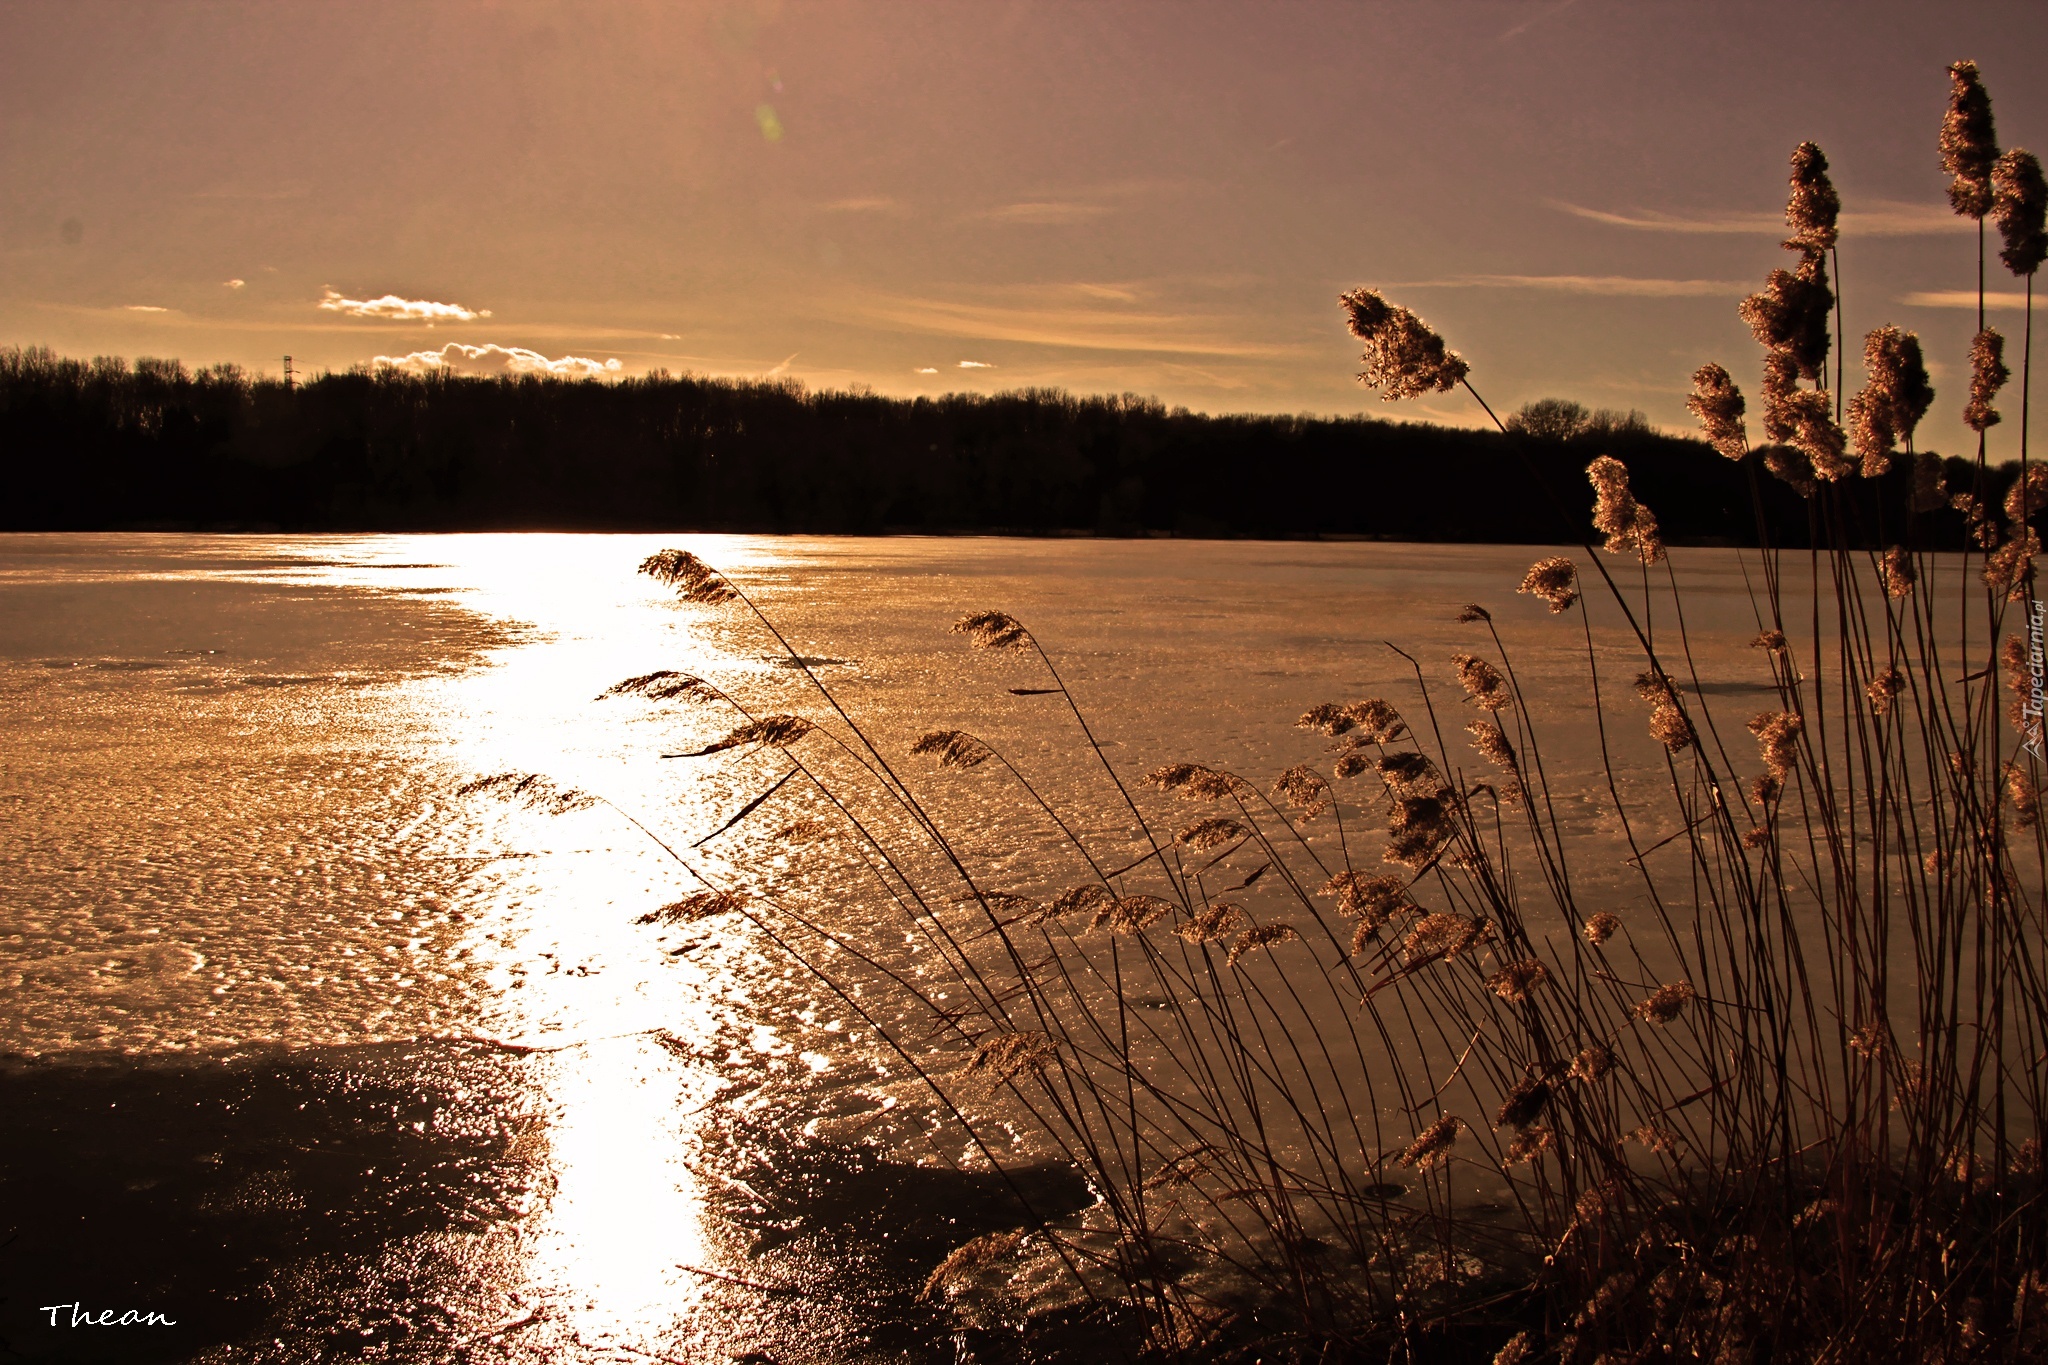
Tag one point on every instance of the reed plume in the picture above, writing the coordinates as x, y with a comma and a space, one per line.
1601, 927
1514, 982
693, 579
1403, 357
1555, 580
701, 905
1664, 1004
1199, 783
1483, 682
2019, 201
1718, 403
1629, 526
1262, 936
953, 748
1987, 376
994, 630
1789, 317
1814, 206
663, 685
1897, 573
1969, 147
1218, 921
1433, 1145
1895, 396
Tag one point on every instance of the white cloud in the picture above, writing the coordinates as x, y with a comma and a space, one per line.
232, 284
976, 365
1965, 298
496, 361
926, 369
392, 308
145, 308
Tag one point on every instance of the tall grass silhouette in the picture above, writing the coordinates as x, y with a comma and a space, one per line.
1361, 1063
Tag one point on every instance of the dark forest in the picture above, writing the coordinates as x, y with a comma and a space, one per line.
101, 444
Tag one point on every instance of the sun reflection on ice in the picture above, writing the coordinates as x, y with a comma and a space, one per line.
627, 1212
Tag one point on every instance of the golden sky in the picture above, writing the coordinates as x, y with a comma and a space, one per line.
1161, 198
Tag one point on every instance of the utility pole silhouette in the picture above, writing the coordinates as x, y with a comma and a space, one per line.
288, 373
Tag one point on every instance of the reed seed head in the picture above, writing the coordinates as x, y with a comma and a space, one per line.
1717, 402
1132, 914
1969, 145
690, 576
1664, 1004
1375, 719
1777, 736
1555, 580
1602, 927
1403, 357
1418, 827
529, 789
1763, 789
1884, 690
701, 905
1895, 568
774, 732
1353, 763
1627, 524
1199, 783
2019, 200
1433, 1146
1524, 1104
1001, 1056
1656, 1137
1492, 743
1773, 640
663, 685
1668, 725
953, 748
1527, 1145
2010, 568
1895, 397
1078, 899
1303, 789
2024, 795
1870, 1042
1483, 682
1217, 921
993, 630
1212, 832
1374, 899
2027, 495
1261, 936
1988, 374
1789, 316
1514, 982
1814, 206
1592, 1063
1442, 935
1409, 773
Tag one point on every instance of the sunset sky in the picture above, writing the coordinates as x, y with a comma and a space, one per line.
1156, 197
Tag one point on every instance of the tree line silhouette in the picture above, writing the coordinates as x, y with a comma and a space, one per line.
103, 445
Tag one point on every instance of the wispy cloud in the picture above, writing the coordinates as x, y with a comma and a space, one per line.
392, 308
1046, 212
1541, 14
1883, 218
926, 369
144, 308
866, 203
233, 284
976, 365
1964, 298
1620, 285
1103, 328
783, 368
494, 361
